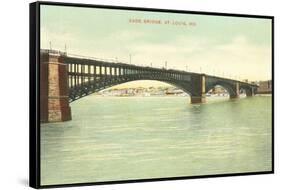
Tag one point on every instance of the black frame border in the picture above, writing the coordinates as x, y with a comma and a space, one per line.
34, 92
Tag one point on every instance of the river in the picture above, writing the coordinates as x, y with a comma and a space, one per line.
121, 138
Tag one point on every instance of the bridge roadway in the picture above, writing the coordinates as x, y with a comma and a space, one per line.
64, 79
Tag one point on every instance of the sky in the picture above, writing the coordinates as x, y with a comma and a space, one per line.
231, 47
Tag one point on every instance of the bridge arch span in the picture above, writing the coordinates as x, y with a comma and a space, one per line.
230, 88
250, 91
95, 86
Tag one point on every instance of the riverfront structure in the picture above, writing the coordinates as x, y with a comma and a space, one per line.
265, 87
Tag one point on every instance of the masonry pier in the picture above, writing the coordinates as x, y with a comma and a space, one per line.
198, 87
54, 102
236, 92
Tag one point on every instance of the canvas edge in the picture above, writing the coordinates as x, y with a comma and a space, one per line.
34, 131
34, 122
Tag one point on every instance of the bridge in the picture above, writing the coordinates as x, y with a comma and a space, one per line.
64, 79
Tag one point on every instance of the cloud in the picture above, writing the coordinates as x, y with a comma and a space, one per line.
237, 58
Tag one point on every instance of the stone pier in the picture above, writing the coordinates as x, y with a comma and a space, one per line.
236, 90
250, 92
198, 86
54, 103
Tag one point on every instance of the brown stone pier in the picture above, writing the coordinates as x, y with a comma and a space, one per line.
236, 91
54, 103
198, 85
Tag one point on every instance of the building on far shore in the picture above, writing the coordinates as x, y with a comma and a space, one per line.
265, 87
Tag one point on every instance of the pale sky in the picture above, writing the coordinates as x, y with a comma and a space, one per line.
232, 47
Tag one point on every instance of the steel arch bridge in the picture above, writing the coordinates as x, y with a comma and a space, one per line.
64, 79
86, 76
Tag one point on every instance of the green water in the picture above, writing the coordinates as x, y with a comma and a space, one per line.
121, 138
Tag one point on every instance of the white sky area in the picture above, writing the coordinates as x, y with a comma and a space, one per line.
231, 47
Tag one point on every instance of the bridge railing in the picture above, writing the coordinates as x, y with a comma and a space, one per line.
51, 51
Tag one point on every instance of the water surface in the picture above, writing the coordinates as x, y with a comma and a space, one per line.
121, 138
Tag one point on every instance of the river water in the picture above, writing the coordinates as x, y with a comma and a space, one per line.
121, 138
